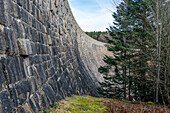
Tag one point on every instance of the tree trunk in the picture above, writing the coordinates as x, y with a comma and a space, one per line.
167, 70
158, 50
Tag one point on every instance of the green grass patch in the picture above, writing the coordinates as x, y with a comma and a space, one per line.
79, 104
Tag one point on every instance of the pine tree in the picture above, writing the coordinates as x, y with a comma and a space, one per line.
120, 46
129, 44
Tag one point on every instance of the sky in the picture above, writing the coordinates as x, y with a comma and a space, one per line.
93, 15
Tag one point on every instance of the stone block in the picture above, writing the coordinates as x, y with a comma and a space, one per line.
2, 43
33, 83
14, 68
51, 5
15, 10
37, 47
13, 43
24, 16
27, 4
6, 71
32, 106
44, 49
2, 79
56, 3
35, 60
22, 110
49, 40
13, 95
53, 83
34, 2
49, 93
24, 46
2, 14
22, 98
51, 71
22, 67
6, 105
61, 62
19, 2
9, 7
23, 87
65, 30
41, 74
61, 31
42, 99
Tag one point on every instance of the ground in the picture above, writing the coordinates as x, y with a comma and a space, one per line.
88, 104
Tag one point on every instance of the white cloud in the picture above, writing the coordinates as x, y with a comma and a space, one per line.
92, 21
96, 20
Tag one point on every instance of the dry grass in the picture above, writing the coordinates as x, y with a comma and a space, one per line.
117, 106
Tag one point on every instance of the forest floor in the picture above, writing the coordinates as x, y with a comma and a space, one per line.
88, 104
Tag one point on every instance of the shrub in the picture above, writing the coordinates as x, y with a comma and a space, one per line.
168, 105
46, 111
150, 104
78, 93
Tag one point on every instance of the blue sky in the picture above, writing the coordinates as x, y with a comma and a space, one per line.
93, 15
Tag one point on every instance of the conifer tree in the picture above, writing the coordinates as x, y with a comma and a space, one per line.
120, 46
129, 44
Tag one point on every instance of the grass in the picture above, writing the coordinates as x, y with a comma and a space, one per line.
88, 104
78, 104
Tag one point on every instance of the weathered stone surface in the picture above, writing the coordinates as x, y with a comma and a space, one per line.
13, 95
2, 79
22, 110
49, 40
51, 5
2, 13
50, 94
56, 3
44, 55
24, 46
32, 106
61, 31
2, 41
23, 87
6, 105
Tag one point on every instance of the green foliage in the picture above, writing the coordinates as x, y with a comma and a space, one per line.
168, 105
78, 93
55, 105
118, 110
79, 104
103, 69
46, 111
95, 34
125, 72
151, 104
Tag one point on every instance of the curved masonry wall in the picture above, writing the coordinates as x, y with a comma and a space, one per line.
44, 55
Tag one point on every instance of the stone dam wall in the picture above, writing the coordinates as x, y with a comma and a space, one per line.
44, 55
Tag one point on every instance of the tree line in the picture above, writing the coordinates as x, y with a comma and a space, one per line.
140, 42
95, 34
